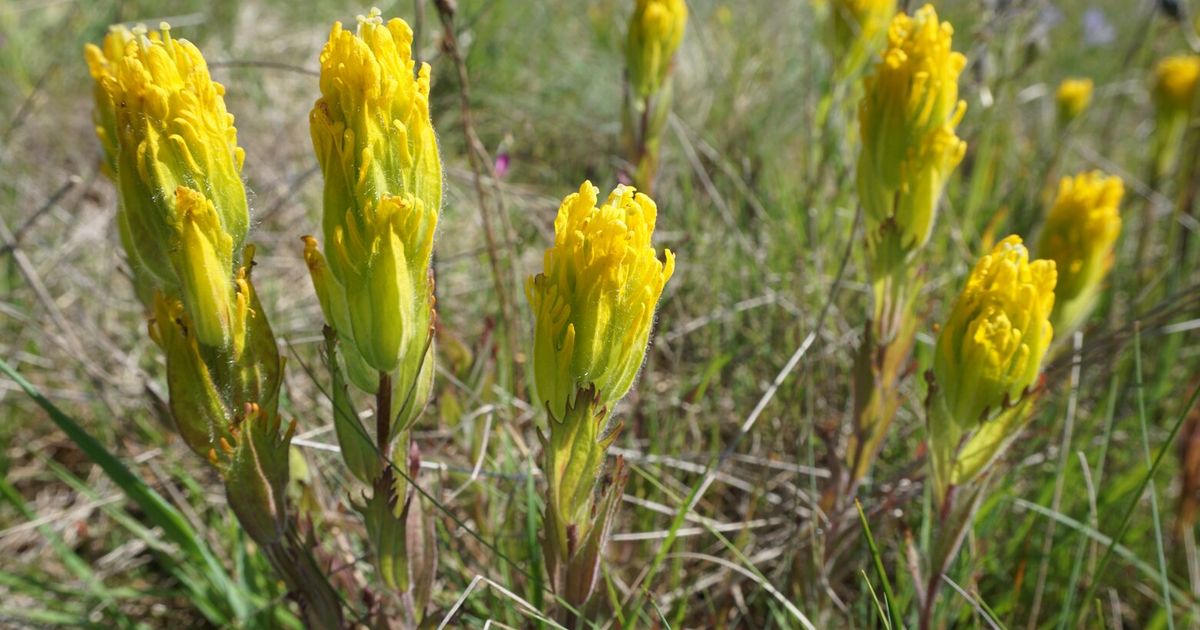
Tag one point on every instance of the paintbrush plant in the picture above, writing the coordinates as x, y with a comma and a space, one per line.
907, 119
1071, 99
984, 382
172, 149
655, 32
374, 140
593, 306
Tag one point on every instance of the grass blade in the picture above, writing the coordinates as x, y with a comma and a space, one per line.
889, 596
1133, 503
158, 511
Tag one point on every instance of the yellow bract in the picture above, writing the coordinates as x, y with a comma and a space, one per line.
203, 260
907, 118
990, 350
1072, 98
859, 27
1080, 232
594, 301
375, 142
172, 131
655, 31
1175, 80
101, 61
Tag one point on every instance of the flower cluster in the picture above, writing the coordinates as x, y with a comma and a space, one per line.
594, 306
171, 147
1175, 80
907, 118
375, 143
176, 141
990, 350
374, 139
594, 301
988, 357
1079, 235
1072, 98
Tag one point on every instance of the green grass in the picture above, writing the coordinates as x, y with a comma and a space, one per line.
107, 520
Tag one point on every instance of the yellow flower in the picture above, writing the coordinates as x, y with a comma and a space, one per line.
172, 131
594, 301
101, 61
907, 119
1079, 235
371, 128
1073, 97
655, 31
1175, 81
859, 27
375, 142
990, 350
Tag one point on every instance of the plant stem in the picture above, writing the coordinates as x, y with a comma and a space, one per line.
383, 417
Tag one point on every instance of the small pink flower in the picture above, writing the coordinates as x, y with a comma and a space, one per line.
502, 164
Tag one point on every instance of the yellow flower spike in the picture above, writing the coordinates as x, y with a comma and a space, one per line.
1079, 235
655, 32
101, 61
203, 262
172, 130
1175, 80
859, 28
907, 119
375, 142
1072, 98
594, 301
990, 350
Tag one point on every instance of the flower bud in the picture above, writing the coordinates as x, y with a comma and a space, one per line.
907, 119
1072, 98
655, 32
1079, 235
332, 297
172, 131
594, 301
375, 143
200, 412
